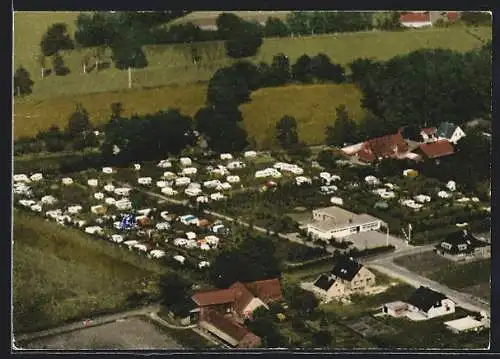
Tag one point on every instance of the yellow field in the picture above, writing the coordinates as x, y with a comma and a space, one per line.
32, 116
313, 106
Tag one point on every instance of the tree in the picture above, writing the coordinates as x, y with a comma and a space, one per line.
23, 85
286, 132
298, 22
128, 56
175, 291
253, 259
249, 73
98, 53
322, 339
78, 122
60, 68
343, 131
116, 110
280, 70
360, 68
301, 70
323, 69
227, 87
56, 39
54, 139
228, 24
387, 20
412, 132
276, 28
245, 41
476, 18
85, 62
304, 302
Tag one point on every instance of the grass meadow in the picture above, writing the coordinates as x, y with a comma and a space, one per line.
61, 274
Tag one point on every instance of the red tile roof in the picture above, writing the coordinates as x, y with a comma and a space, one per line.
213, 297
226, 325
366, 155
387, 146
415, 17
452, 15
437, 149
242, 296
268, 290
429, 130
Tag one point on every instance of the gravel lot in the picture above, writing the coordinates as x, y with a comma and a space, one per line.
131, 333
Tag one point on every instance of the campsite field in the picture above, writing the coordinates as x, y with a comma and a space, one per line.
60, 274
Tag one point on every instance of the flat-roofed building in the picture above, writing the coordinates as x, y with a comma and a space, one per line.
335, 222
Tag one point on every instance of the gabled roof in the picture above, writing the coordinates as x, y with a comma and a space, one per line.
324, 281
425, 298
428, 130
459, 238
437, 149
387, 146
415, 17
268, 290
446, 129
213, 297
366, 155
346, 268
452, 15
226, 325
242, 296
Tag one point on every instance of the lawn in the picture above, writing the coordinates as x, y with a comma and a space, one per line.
473, 277
61, 275
313, 106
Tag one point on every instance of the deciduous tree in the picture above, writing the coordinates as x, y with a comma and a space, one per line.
22, 82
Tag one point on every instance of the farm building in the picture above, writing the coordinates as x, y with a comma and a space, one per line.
436, 149
416, 19
388, 146
335, 222
450, 132
465, 324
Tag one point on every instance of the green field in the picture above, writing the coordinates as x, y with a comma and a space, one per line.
60, 274
472, 277
171, 64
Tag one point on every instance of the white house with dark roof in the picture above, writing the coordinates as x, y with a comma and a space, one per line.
346, 277
450, 132
462, 245
426, 303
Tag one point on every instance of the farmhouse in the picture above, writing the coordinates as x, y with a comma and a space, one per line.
346, 277
234, 305
415, 19
439, 148
462, 245
450, 132
425, 303
388, 146
335, 222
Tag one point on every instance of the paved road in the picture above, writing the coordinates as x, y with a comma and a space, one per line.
464, 300
95, 321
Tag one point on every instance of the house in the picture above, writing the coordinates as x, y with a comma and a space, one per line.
462, 245
346, 277
189, 171
109, 188
185, 161
226, 156
335, 222
227, 330
450, 132
388, 146
439, 148
144, 180
67, 180
428, 134
426, 303
250, 154
416, 19
36, 177
465, 324
164, 164
107, 170
182, 181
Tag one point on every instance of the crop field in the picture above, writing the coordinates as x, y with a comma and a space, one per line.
473, 277
313, 106
61, 274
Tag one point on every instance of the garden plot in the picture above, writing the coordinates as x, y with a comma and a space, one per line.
368, 326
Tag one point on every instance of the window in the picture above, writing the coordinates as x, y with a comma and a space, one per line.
446, 245
462, 247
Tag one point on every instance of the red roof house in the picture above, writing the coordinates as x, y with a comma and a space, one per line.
388, 146
452, 15
268, 290
437, 149
415, 19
